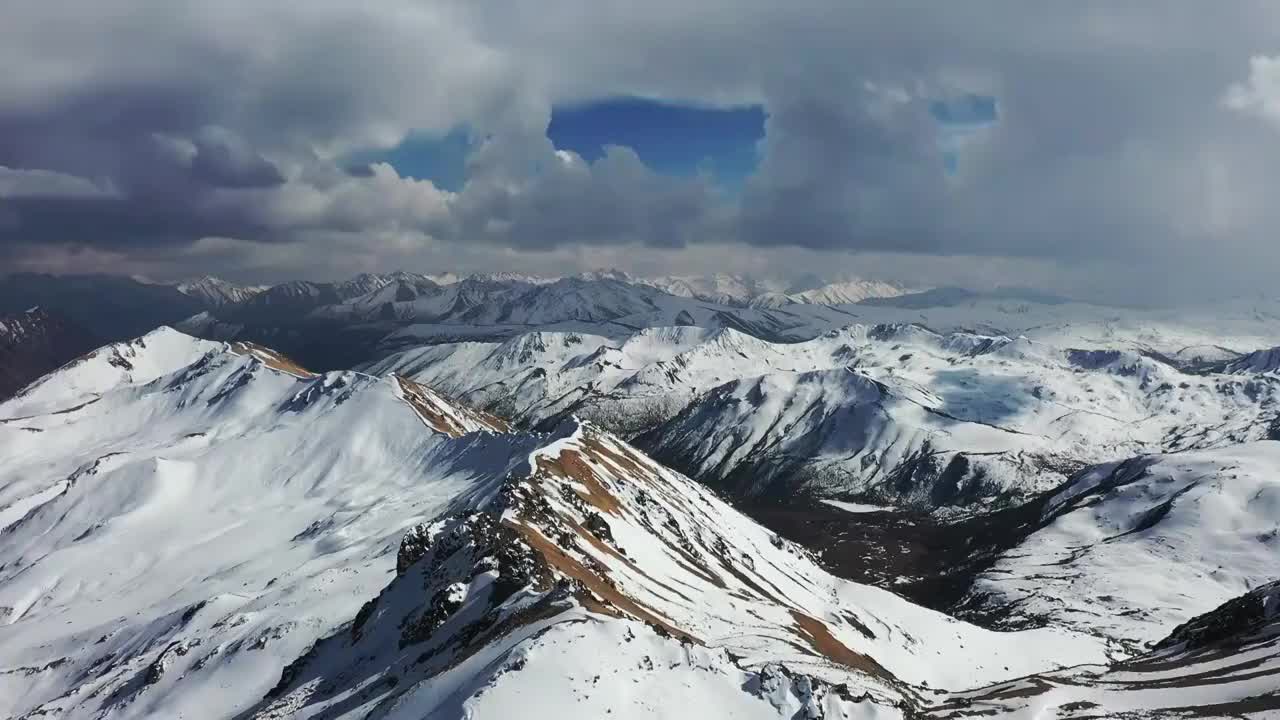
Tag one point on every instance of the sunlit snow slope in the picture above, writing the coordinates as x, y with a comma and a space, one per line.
891, 413
192, 522
1131, 549
207, 530
1224, 663
178, 535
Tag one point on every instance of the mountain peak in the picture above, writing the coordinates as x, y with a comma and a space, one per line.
216, 292
131, 362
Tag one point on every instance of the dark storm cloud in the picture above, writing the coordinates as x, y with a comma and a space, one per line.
222, 119
839, 162
223, 162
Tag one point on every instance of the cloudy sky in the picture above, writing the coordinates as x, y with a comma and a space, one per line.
1121, 150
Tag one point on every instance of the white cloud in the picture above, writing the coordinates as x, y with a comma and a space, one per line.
1260, 94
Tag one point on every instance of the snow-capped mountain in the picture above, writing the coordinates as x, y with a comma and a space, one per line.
409, 299
365, 283
112, 366
846, 292
415, 309
721, 288
296, 296
206, 530
894, 413
744, 290
1259, 361
226, 510
604, 303
216, 292
34, 342
338, 325
594, 546
221, 510
481, 307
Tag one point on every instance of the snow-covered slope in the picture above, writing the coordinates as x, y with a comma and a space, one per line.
1131, 549
198, 530
176, 546
207, 530
842, 432
539, 376
134, 362
592, 546
1222, 664
898, 413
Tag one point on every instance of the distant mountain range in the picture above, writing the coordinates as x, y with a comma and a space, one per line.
330, 325
721, 288
116, 307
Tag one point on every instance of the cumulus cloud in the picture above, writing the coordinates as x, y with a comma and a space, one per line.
1259, 94
172, 135
567, 201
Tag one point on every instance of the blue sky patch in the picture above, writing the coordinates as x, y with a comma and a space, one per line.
965, 111
440, 159
961, 119
671, 139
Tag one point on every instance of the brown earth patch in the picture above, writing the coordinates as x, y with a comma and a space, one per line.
271, 358
571, 465
818, 636
622, 459
426, 402
604, 547
570, 567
